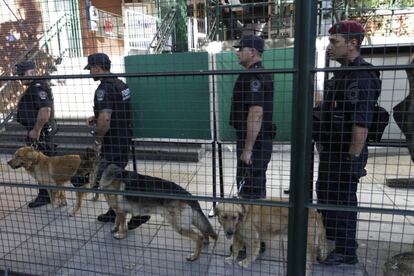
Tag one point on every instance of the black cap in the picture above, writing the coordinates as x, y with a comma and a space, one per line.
98, 59
251, 41
23, 66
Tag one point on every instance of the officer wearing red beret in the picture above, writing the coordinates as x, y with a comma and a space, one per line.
346, 114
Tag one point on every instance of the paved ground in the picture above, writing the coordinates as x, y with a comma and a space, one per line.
49, 242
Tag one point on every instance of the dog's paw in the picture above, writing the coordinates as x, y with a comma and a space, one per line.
245, 263
95, 197
230, 260
192, 257
114, 229
119, 235
71, 213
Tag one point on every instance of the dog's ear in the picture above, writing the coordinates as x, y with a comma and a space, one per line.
216, 211
242, 211
31, 155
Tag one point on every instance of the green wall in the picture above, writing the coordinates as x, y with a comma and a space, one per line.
170, 107
180, 107
274, 58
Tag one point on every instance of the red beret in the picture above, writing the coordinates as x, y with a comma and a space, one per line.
347, 27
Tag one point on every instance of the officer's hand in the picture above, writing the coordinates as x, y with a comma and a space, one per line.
34, 135
246, 157
90, 121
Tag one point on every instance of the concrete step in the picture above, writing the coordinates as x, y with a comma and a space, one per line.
60, 137
76, 126
168, 152
74, 137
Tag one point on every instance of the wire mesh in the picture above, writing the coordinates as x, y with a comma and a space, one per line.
178, 73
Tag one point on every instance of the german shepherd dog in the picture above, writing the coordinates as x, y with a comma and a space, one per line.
181, 214
249, 225
87, 170
53, 171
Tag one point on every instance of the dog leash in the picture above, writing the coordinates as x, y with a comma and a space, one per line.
246, 174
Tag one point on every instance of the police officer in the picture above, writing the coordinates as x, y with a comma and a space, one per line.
113, 124
35, 111
346, 114
251, 116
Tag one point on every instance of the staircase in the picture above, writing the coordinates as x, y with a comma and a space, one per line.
163, 33
74, 137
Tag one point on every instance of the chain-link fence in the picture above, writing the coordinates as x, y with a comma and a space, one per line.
206, 138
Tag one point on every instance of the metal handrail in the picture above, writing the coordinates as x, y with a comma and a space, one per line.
29, 54
163, 32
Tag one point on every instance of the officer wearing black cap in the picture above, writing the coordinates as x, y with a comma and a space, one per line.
113, 124
346, 114
251, 116
35, 111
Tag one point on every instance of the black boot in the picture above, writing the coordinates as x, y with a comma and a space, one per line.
108, 216
41, 199
136, 221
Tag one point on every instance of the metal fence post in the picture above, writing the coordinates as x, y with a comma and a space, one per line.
304, 60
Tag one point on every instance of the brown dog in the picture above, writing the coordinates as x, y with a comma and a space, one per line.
54, 171
248, 225
87, 168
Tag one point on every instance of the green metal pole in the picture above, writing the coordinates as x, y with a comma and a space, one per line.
302, 101
346, 9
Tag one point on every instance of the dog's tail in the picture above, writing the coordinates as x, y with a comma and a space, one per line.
322, 248
201, 222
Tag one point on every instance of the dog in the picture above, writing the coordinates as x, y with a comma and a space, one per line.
53, 171
84, 177
400, 264
249, 225
180, 214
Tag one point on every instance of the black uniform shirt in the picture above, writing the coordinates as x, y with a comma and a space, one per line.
36, 96
113, 95
250, 90
349, 100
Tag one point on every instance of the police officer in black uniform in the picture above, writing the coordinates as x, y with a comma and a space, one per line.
346, 114
113, 124
35, 111
251, 116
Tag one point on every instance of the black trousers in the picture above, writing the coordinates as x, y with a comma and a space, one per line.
112, 154
337, 185
251, 179
45, 145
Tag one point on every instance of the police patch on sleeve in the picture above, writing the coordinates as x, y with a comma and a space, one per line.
351, 93
126, 94
42, 95
255, 85
100, 94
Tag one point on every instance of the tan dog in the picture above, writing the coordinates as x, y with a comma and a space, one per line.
54, 171
248, 225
